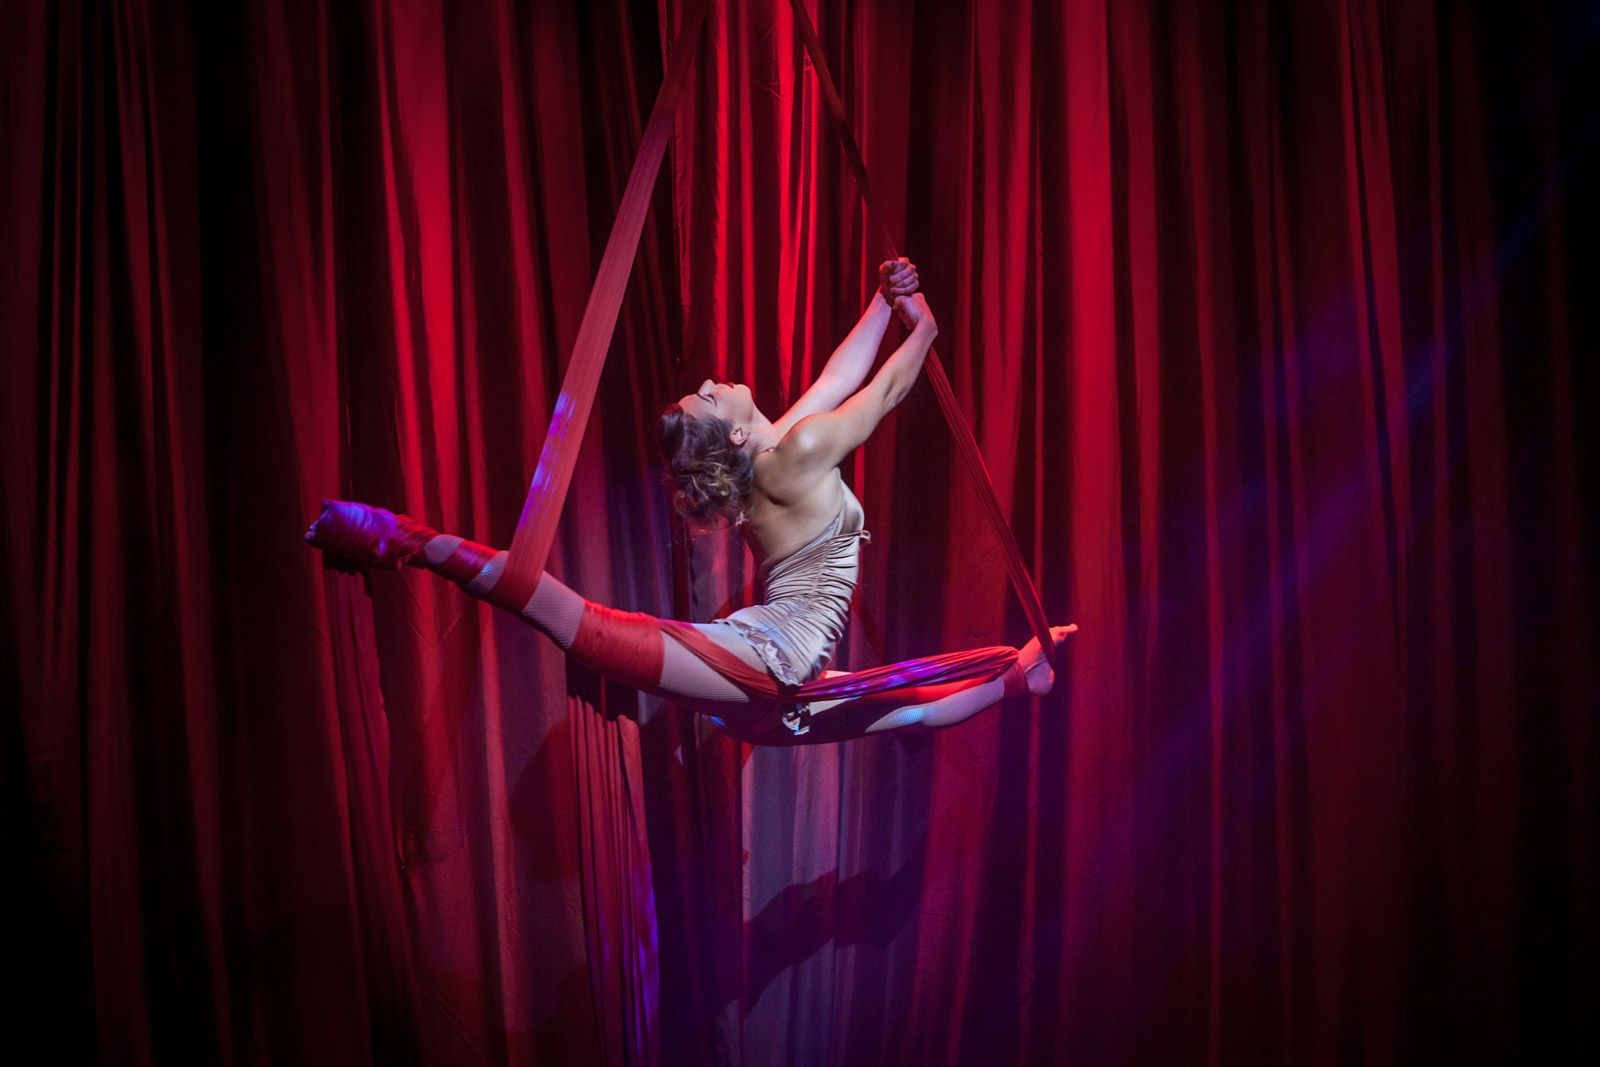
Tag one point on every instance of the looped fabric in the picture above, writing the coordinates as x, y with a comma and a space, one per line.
884, 682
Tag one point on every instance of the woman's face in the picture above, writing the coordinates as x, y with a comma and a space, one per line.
724, 400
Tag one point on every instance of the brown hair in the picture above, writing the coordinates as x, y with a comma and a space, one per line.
713, 475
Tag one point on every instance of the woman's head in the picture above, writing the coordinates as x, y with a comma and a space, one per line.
729, 401
703, 437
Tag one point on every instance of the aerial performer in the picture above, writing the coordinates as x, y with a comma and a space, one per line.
760, 673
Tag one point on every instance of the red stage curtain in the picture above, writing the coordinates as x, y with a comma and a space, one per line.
1268, 321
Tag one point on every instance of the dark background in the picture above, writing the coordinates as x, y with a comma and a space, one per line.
1270, 323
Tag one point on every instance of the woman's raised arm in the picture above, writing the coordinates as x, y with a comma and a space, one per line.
847, 368
821, 441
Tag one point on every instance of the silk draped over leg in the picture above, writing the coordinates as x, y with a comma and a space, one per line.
629, 647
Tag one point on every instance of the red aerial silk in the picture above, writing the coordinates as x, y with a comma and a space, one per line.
985, 663
536, 529
547, 492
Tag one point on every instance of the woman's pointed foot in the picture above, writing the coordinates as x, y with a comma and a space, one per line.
1035, 663
366, 536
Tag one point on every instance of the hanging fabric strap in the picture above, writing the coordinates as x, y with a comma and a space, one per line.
541, 511
966, 445
536, 529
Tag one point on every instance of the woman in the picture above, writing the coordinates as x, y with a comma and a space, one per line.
780, 482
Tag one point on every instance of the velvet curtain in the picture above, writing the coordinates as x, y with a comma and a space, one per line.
1268, 321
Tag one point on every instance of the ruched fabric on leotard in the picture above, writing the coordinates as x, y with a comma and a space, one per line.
806, 599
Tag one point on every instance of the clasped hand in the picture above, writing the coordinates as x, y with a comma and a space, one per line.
898, 282
897, 278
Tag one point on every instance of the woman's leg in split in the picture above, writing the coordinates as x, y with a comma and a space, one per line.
629, 647
940, 705
558, 611
554, 608
632, 649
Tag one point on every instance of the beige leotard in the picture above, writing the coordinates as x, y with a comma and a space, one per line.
806, 599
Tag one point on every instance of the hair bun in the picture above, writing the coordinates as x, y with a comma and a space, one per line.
713, 475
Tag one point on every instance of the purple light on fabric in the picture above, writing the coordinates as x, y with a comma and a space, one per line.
560, 423
948, 667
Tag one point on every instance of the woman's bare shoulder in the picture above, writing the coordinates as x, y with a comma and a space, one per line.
787, 507
786, 480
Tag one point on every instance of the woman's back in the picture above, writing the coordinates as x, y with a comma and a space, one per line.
787, 509
806, 587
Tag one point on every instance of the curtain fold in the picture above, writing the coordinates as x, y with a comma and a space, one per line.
1270, 325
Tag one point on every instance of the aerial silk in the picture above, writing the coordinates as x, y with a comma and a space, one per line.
536, 529
966, 444
541, 511
629, 646
984, 663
